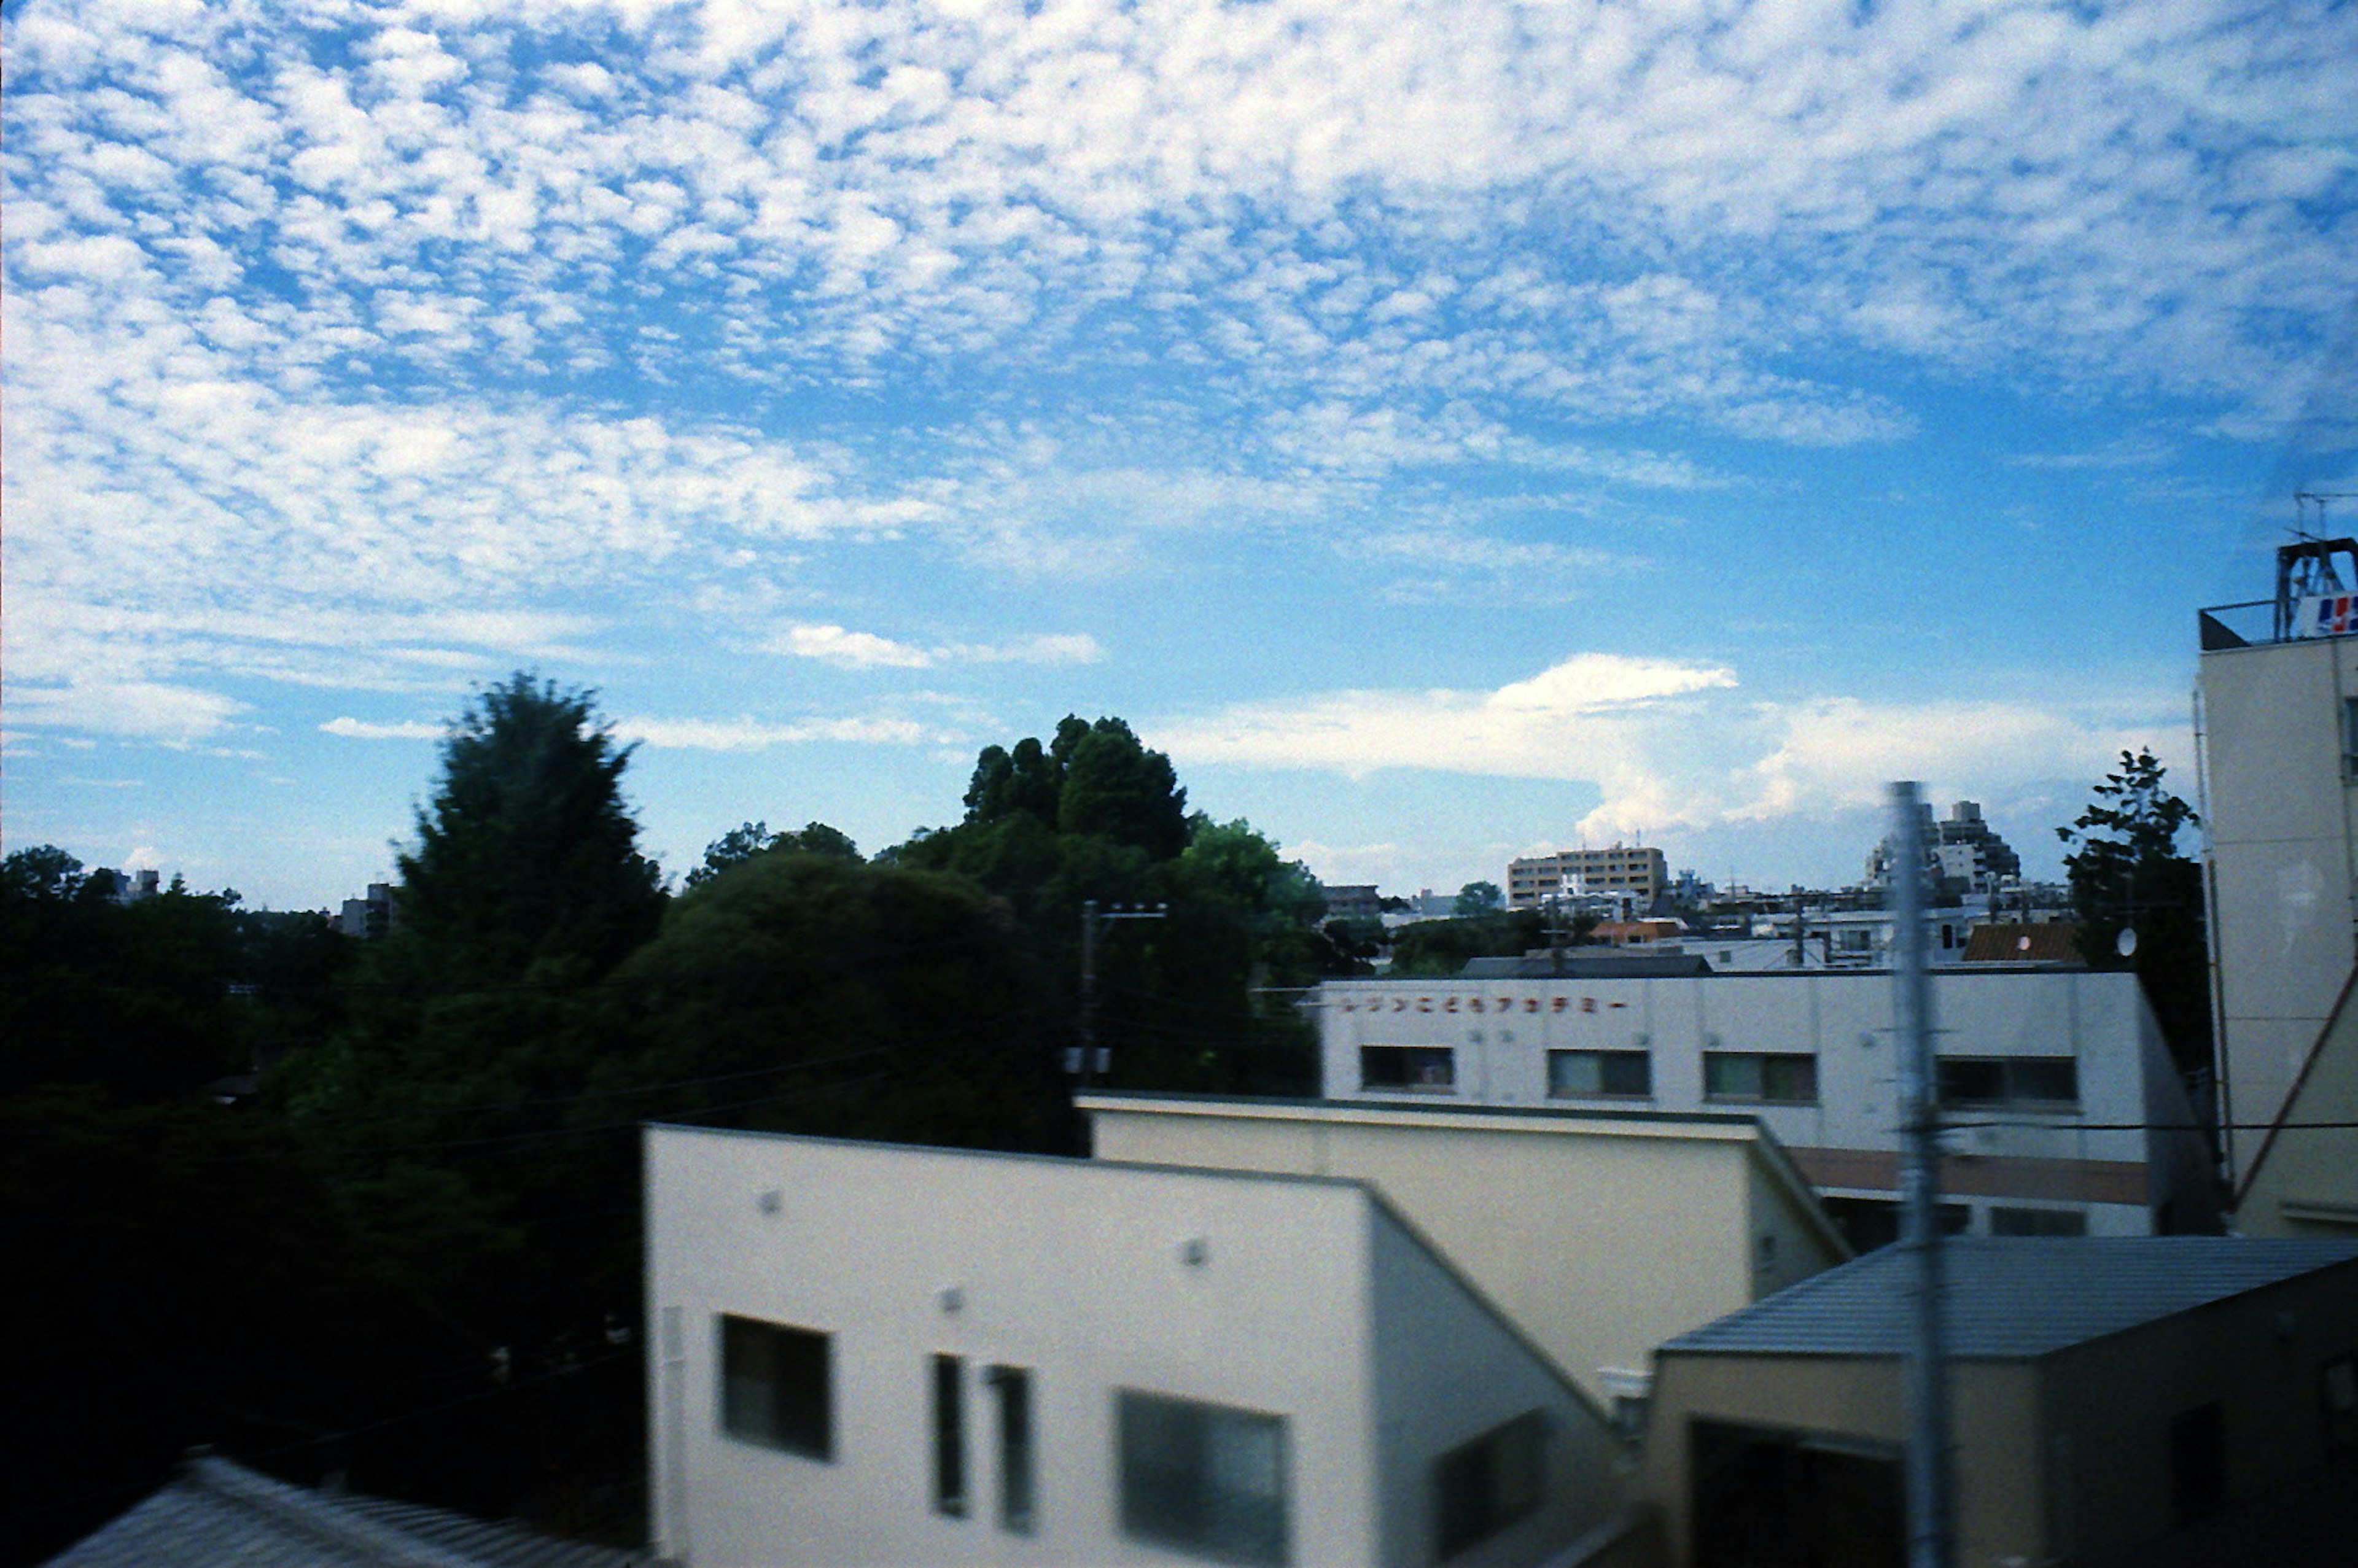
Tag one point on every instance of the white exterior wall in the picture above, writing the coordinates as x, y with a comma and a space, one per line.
2279, 845
1845, 1020
1075, 1270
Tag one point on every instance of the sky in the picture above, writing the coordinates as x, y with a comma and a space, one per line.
1451, 431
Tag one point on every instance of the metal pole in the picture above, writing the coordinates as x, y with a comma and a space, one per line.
1089, 991
1927, 1376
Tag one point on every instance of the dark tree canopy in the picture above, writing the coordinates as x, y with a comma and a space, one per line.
1095, 780
1477, 899
528, 852
2126, 873
742, 843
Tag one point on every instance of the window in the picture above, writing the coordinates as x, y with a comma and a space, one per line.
2349, 740
2037, 1222
949, 1437
2197, 1462
1761, 1076
1575, 1074
2009, 1080
1429, 1067
777, 1387
1483, 1486
1013, 1387
1206, 1479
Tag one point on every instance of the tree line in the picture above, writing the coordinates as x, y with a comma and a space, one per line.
372, 1207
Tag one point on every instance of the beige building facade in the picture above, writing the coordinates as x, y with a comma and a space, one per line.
1633, 869
1601, 1235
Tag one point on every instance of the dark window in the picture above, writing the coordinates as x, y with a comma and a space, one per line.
1869, 1223
1205, 1479
2197, 1462
1483, 1486
1408, 1067
949, 1437
1766, 1498
2338, 1392
2009, 1080
1575, 1074
1012, 1385
777, 1387
2005, 1221
1761, 1076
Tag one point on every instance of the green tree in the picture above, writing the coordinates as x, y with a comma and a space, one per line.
2126, 875
1477, 899
528, 854
743, 843
1442, 947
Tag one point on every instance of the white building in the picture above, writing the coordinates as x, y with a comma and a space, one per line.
869, 1354
2065, 1114
2277, 731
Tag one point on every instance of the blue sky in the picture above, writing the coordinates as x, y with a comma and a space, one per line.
1450, 431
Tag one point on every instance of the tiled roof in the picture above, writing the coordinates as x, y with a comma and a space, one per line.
216, 1514
2011, 1298
2051, 942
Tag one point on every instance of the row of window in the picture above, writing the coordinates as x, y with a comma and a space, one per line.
1202, 1478
1768, 1076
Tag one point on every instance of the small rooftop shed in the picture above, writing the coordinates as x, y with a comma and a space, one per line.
2105, 1392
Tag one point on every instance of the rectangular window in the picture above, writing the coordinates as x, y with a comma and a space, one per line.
2197, 1462
949, 1437
1482, 1487
2350, 739
1433, 1068
777, 1387
1013, 1387
1760, 1076
2009, 1080
2009, 1221
1574, 1075
1205, 1479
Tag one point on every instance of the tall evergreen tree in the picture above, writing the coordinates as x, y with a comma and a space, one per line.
2126, 875
528, 853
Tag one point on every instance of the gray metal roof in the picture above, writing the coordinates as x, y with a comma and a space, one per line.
2011, 1298
217, 1514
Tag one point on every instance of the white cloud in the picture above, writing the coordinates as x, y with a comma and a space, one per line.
135, 710
363, 730
1678, 746
753, 735
866, 649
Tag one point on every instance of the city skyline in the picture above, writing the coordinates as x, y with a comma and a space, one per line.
1450, 431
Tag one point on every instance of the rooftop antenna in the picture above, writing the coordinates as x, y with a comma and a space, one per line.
2306, 568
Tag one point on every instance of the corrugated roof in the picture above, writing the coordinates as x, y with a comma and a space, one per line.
217, 1514
2051, 942
2011, 1298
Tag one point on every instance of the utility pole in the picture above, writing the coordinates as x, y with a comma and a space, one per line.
1094, 1061
1920, 1114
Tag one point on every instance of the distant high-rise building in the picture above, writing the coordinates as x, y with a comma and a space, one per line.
1962, 850
1625, 868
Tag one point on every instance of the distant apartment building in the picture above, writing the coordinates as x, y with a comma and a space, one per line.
1354, 900
370, 916
1624, 868
2065, 1115
1962, 850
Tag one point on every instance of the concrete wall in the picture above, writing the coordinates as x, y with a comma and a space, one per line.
1600, 1238
2279, 845
1462, 1372
2303, 1179
1294, 1297
1503, 1031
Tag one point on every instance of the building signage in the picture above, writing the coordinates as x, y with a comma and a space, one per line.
1460, 1003
2327, 615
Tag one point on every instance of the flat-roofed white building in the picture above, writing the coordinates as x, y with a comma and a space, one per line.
1601, 1233
872, 1353
2277, 734
2065, 1113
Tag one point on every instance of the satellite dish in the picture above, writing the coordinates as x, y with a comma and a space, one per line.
2126, 943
